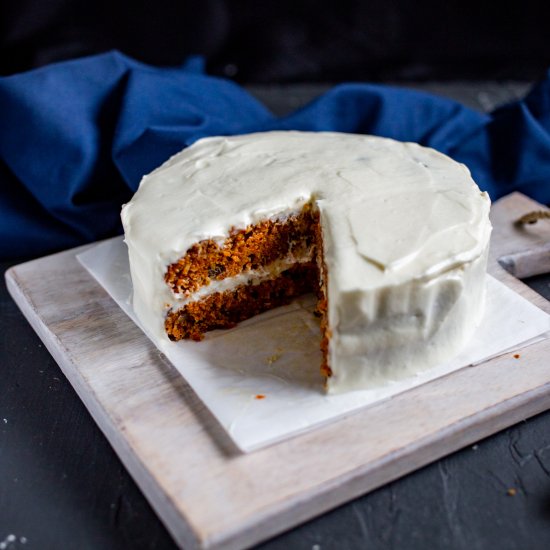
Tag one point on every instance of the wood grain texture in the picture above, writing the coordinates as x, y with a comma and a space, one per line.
206, 492
527, 263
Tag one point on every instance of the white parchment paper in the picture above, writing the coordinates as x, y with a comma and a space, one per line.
261, 379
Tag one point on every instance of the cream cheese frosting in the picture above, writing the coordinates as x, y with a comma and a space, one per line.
405, 238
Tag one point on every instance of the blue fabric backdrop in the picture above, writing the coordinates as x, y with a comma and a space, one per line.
76, 137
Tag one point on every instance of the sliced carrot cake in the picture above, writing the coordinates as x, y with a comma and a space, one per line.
392, 238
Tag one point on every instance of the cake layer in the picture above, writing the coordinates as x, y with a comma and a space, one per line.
244, 250
404, 230
226, 309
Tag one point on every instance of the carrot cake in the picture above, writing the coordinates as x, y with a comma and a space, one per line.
392, 237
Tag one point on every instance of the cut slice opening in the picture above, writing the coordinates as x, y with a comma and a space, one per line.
260, 267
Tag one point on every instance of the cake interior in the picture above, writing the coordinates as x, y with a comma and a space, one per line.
255, 269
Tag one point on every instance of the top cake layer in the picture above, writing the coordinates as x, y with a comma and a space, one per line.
391, 212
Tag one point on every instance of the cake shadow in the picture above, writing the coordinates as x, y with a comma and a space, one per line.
200, 411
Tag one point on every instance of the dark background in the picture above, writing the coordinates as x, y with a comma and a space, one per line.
255, 41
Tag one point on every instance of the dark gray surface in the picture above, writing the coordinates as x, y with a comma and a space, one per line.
62, 486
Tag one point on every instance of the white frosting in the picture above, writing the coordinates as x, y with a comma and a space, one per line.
405, 236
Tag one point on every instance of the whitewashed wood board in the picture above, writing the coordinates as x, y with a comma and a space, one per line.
207, 493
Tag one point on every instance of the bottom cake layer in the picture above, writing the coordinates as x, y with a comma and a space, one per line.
226, 309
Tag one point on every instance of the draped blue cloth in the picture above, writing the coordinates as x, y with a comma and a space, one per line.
76, 138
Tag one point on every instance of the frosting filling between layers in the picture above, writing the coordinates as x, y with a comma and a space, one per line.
251, 277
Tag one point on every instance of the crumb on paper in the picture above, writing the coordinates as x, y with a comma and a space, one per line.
517, 356
272, 358
511, 492
260, 396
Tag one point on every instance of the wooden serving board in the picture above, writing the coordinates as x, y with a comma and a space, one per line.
206, 492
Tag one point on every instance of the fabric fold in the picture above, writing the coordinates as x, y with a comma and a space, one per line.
77, 136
